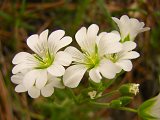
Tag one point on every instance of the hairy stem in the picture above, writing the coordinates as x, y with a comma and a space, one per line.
108, 94
106, 105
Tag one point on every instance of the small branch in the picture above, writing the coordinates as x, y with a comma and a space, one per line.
106, 105
100, 104
112, 81
72, 95
108, 94
5, 106
127, 109
106, 13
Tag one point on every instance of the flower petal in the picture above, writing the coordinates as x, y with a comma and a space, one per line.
125, 64
43, 36
124, 19
129, 45
117, 21
73, 75
20, 88
111, 37
32, 42
54, 41
41, 79
63, 58
130, 55
56, 82
113, 48
144, 29
63, 42
95, 75
20, 67
109, 43
22, 57
56, 70
17, 78
56, 36
116, 32
92, 36
92, 31
47, 91
100, 36
34, 92
75, 53
81, 37
109, 69
30, 78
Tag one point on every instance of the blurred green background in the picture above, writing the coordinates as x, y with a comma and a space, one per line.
21, 18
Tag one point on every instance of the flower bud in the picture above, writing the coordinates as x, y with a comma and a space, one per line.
115, 103
150, 109
92, 94
125, 100
129, 89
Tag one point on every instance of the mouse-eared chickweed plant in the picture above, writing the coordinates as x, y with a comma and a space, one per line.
103, 57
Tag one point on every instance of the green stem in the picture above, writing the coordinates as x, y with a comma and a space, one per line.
72, 95
112, 81
100, 104
108, 106
127, 109
108, 94
106, 13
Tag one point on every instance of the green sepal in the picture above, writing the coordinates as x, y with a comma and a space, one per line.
115, 103
97, 86
125, 89
84, 94
143, 110
125, 100
127, 38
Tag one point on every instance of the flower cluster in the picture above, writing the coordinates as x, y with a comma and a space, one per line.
39, 73
101, 55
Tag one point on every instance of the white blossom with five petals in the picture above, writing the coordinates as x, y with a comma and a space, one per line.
130, 27
91, 59
43, 67
123, 58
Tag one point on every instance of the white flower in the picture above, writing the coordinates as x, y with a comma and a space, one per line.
92, 94
91, 58
150, 109
123, 58
129, 26
34, 92
47, 61
134, 89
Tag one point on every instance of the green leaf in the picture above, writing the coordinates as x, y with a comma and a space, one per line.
6, 16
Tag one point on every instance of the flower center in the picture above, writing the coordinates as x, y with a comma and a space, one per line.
92, 60
113, 57
44, 61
